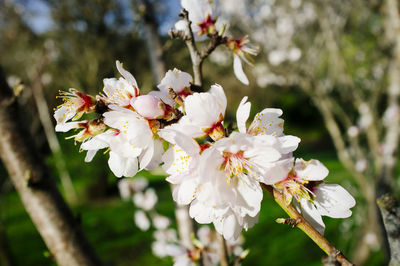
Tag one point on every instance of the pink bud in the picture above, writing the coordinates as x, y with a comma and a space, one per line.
148, 106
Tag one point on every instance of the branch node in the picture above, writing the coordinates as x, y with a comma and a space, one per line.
289, 221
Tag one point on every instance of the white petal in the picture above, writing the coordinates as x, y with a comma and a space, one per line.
218, 92
186, 192
90, 155
65, 127
146, 156
231, 228
312, 215
267, 122
238, 70
277, 171
188, 144
312, 170
116, 164
127, 75
288, 143
201, 213
242, 114
157, 155
333, 200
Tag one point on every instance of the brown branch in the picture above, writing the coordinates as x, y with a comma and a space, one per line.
196, 56
308, 229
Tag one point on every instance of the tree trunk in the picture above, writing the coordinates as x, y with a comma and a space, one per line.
38, 191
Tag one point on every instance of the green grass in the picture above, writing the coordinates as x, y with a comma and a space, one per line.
109, 226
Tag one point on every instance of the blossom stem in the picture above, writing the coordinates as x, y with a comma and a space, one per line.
307, 228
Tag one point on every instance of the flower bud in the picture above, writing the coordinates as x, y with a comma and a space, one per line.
148, 106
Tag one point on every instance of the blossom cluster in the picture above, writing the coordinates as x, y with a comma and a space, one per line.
205, 23
219, 172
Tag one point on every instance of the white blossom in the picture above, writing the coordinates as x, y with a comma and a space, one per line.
146, 200
204, 113
120, 91
141, 220
74, 105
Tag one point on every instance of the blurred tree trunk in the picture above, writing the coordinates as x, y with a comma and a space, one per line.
154, 45
39, 194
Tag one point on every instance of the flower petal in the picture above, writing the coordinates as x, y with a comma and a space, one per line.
333, 200
242, 114
238, 70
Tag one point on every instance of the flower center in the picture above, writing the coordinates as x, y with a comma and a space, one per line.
238, 168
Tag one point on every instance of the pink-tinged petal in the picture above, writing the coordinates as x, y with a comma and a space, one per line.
312, 215
238, 70
127, 75
242, 114
148, 106
333, 200
312, 170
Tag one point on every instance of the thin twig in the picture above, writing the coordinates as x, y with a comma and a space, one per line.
310, 231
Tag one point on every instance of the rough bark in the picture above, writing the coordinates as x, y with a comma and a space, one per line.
390, 211
38, 191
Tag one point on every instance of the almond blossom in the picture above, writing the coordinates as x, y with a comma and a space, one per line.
177, 81
202, 15
268, 123
120, 91
139, 133
312, 197
74, 105
204, 114
123, 159
87, 129
242, 50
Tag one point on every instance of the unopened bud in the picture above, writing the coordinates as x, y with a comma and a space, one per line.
148, 106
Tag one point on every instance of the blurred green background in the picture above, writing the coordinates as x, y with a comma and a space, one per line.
72, 43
